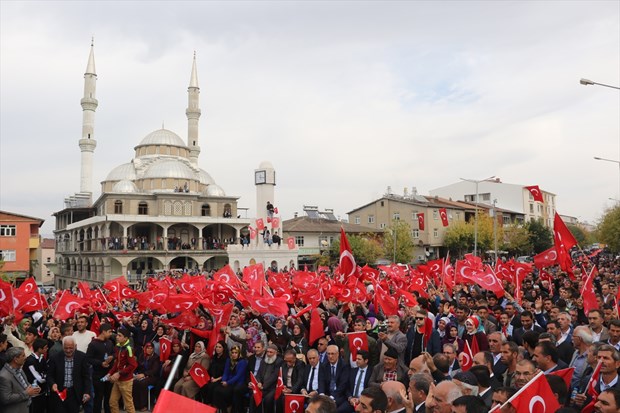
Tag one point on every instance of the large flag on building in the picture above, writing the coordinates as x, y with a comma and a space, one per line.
536, 193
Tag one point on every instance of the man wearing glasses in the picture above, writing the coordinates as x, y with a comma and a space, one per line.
421, 337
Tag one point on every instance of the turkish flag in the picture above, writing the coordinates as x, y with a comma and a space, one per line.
252, 233
290, 241
564, 241
565, 374
357, 341
316, 326
180, 303
275, 223
256, 392
591, 389
184, 321
443, 214
467, 357
384, 300
448, 274
95, 325
313, 297
410, 300
165, 347
587, 292
67, 305
260, 224
254, 277
536, 193
420, 221
472, 269
27, 288
6, 298
199, 374
169, 401
279, 385
346, 264
294, 403
546, 258
535, 397
32, 302
226, 276
152, 300
84, 290
62, 394
276, 306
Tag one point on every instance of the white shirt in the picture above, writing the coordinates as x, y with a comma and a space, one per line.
82, 340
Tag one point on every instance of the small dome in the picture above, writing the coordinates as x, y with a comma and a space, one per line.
205, 178
162, 137
265, 165
214, 190
170, 168
125, 186
126, 171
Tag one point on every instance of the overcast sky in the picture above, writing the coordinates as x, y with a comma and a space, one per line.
344, 98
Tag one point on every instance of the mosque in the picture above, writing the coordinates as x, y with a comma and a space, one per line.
160, 211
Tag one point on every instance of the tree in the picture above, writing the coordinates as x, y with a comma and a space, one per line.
403, 248
459, 238
540, 236
579, 234
609, 229
366, 249
517, 240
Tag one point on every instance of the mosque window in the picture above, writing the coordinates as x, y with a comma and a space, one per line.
118, 207
205, 210
143, 208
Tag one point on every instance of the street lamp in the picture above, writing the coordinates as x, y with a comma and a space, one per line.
613, 161
476, 212
587, 82
495, 228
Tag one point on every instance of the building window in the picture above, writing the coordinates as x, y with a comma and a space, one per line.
323, 241
414, 216
143, 208
382, 203
118, 207
7, 230
371, 219
457, 215
357, 220
382, 225
8, 255
396, 216
205, 211
415, 233
531, 208
486, 197
299, 240
48, 273
435, 233
49, 259
435, 214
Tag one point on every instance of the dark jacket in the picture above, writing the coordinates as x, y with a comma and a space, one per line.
81, 376
352, 382
98, 351
320, 372
296, 378
125, 362
342, 381
432, 347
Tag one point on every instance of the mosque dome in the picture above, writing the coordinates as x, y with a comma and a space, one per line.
162, 137
125, 186
205, 178
170, 168
265, 165
124, 172
214, 190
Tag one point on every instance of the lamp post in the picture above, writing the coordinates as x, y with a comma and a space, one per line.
613, 161
495, 228
476, 211
587, 82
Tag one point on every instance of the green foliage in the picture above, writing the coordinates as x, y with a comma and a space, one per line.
579, 234
404, 242
459, 238
517, 240
366, 249
541, 237
609, 229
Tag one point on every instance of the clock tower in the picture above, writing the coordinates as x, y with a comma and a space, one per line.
265, 181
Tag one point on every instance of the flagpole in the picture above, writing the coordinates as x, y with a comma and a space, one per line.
103, 295
173, 371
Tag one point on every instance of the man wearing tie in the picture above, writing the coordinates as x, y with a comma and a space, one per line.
358, 381
337, 380
313, 375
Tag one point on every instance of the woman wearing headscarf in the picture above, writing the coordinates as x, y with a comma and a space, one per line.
235, 370
176, 350
186, 386
372, 327
452, 337
298, 342
474, 331
54, 341
141, 335
160, 330
145, 375
22, 326
216, 371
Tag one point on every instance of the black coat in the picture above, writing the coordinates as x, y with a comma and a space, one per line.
296, 378
342, 381
320, 372
81, 377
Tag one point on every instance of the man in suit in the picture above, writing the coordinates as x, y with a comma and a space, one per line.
337, 377
393, 391
565, 348
485, 391
419, 386
609, 358
527, 324
69, 371
393, 338
546, 357
15, 392
358, 381
314, 375
292, 373
495, 347
485, 358
598, 330
240, 401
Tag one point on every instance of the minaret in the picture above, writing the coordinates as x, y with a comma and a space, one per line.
193, 114
88, 142
265, 181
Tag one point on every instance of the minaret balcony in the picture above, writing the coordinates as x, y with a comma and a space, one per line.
89, 103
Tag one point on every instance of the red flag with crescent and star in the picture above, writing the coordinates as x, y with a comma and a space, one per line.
316, 326
62, 394
467, 357
420, 221
564, 241
6, 298
294, 403
199, 374
535, 397
279, 385
346, 264
357, 341
165, 347
67, 305
256, 391
290, 242
565, 374
443, 214
536, 193
546, 258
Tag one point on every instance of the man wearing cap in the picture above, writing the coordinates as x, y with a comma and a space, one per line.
389, 370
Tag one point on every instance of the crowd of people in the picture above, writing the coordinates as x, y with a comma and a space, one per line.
464, 351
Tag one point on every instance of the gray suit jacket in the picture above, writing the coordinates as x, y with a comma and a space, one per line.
13, 397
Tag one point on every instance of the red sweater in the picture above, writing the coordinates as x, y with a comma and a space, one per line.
124, 362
